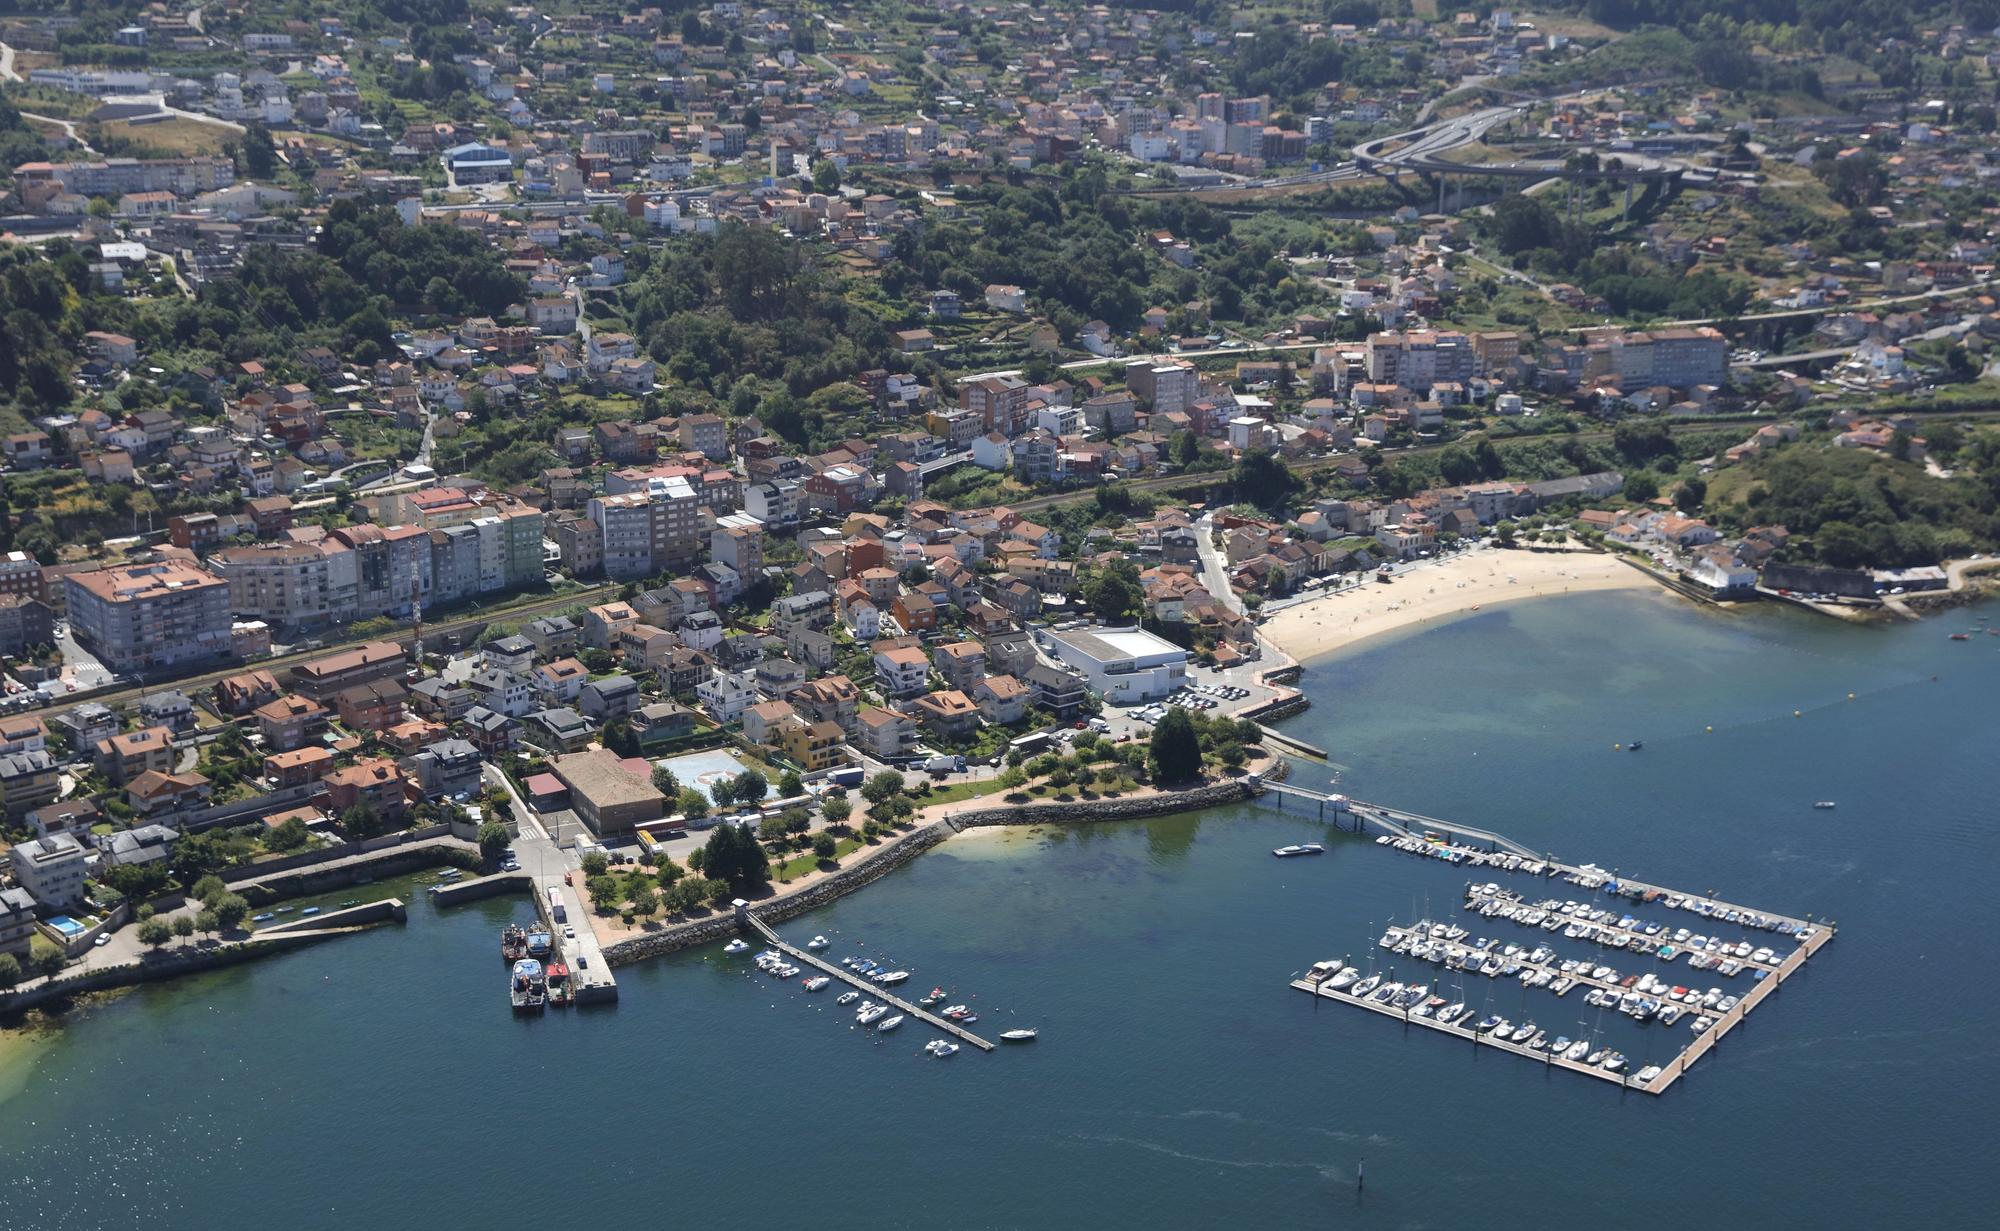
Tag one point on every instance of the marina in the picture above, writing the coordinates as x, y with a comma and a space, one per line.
1715, 945
874, 990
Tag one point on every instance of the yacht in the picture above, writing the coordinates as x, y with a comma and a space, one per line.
1521, 1033
1560, 1046
1577, 1051
872, 1014
892, 977
1308, 848
890, 1024
1450, 1014
818, 942
1614, 1063
1366, 985
1487, 1023
739, 945
1344, 978
940, 1048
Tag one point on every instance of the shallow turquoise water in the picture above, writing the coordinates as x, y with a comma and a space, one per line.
1178, 1082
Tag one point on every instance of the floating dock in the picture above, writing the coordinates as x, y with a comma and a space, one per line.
1409, 831
874, 990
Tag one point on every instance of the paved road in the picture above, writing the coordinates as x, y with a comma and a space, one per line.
1214, 568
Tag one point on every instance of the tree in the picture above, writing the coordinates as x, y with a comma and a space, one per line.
666, 871
1641, 486
1175, 753
207, 923
289, 836
1692, 493
836, 810
824, 846
664, 781
797, 820
723, 792
155, 932
605, 893
10, 970
720, 892
645, 902
826, 176
790, 785
492, 839
771, 828
1013, 778
1504, 533
1114, 592
1261, 479
693, 804
260, 156
208, 889
231, 909
751, 787
360, 822
596, 863
733, 855
183, 927
882, 786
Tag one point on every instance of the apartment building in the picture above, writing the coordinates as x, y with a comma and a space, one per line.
146, 617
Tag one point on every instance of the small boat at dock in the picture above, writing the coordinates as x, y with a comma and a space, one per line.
527, 988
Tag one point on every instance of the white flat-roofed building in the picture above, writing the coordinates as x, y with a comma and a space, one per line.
1123, 665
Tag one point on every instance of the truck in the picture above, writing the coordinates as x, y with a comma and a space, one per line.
943, 763
849, 776
558, 913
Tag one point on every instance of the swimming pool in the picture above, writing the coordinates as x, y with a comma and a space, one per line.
69, 927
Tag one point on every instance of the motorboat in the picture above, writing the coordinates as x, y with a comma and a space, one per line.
1825, 805
847, 998
1017, 1036
1344, 978
818, 942
816, 982
1521, 1033
892, 977
889, 1024
940, 1048
1366, 985
1577, 1051
264, 918
1305, 848
872, 1014
1487, 1023
739, 945
1614, 1063
1648, 1073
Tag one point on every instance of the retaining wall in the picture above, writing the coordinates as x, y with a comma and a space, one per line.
165, 964
395, 861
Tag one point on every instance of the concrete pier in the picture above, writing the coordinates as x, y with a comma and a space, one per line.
482, 887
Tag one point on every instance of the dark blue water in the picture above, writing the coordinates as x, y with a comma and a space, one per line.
379, 1081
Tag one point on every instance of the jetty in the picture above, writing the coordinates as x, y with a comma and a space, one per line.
1474, 846
874, 990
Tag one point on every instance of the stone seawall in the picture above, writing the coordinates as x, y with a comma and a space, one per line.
1214, 795
169, 963
1283, 707
789, 906
393, 861
888, 859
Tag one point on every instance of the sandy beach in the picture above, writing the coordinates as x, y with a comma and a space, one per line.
1433, 593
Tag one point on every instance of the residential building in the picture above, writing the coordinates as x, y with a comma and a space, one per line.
52, 870
148, 617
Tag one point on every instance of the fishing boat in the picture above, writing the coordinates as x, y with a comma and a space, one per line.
937, 994
561, 993
539, 942
1017, 1036
513, 942
527, 989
